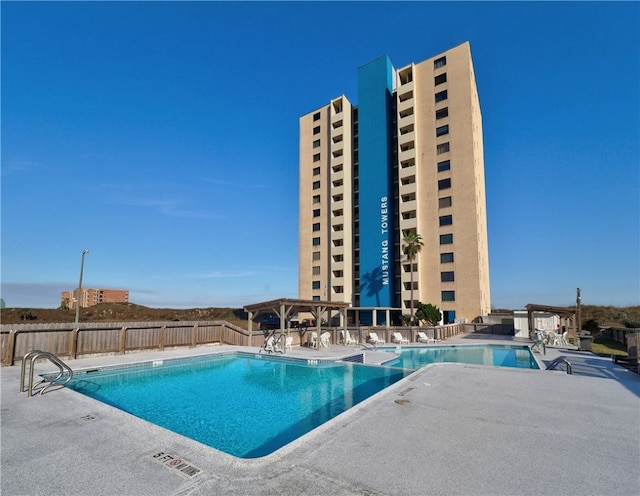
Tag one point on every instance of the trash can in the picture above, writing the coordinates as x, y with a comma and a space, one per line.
585, 339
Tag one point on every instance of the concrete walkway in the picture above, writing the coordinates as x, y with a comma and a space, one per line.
458, 430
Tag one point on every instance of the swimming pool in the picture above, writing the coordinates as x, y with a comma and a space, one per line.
245, 405
503, 356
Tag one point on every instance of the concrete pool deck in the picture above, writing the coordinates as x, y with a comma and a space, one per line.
449, 429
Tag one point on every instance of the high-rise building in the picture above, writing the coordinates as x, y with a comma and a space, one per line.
409, 157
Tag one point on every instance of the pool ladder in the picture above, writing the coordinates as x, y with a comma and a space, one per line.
64, 376
558, 361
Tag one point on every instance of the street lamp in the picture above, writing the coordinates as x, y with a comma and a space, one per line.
84, 252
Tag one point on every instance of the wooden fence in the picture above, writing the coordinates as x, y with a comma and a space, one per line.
72, 341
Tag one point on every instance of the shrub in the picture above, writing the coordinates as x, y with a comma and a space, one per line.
429, 313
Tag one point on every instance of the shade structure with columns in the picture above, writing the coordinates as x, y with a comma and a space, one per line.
284, 308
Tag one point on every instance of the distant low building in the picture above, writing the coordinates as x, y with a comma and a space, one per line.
90, 297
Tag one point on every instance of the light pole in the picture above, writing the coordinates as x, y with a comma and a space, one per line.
84, 252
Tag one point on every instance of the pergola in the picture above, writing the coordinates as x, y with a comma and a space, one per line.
571, 316
284, 307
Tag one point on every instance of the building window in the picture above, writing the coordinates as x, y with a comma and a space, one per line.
408, 163
406, 129
316, 130
446, 276
315, 285
442, 130
316, 143
444, 183
316, 157
316, 270
316, 241
405, 96
442, 113
408, 180
441, 62
316, 171
316, 255
406, 76
446, 257
316, 227
316, 184
446, 239
446, 220
406, 112
448, 296
442, 78
442, 148
411, 214
444, 202
316, 116
316, 212
316, 198
441, 96
407, 146
444, 166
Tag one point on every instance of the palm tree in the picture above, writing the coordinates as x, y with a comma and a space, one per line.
412, 244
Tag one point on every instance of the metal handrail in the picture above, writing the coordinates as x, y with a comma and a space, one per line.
558, 361
33, 355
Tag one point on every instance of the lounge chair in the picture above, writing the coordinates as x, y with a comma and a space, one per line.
397, 338
288, 343
423, 338
325, 339
373, 337
563, 339
347, 339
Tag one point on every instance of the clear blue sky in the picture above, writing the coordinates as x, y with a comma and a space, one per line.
163, 137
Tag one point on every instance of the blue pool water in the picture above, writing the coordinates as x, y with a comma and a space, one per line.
502, 356
246, 406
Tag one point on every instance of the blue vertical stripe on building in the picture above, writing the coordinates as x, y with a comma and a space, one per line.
375, 129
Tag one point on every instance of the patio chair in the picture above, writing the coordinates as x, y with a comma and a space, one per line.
398, 338
270, 344
288, 343
538, 342
423, 338
325, 339
563, 339
373, 337
553, 338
